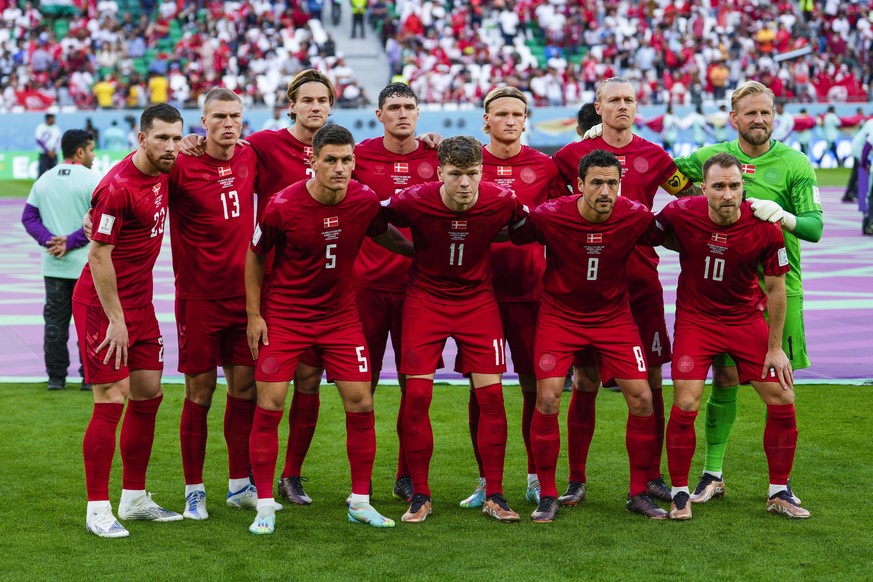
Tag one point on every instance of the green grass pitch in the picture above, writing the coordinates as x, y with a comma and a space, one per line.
42, 501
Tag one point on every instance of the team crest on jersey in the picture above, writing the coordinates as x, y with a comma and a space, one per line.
719, 237
594, 238
401, 168
528, 175
459, 225
504, 170
222, 172
748, 168
425, 171
640, 164
332, 222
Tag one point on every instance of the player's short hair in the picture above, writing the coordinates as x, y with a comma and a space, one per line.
587, 117
599, 92
74, 139
396, 90
499, 93
750, 88
722, 160
461, 151
308, 76
598, 159
161, 111
220, 94
331, 134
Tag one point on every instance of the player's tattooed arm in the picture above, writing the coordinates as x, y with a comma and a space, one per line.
394, 241
256, 329
776, 359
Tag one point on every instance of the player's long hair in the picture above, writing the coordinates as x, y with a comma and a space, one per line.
308, 76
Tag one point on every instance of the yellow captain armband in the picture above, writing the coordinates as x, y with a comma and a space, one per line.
675, 183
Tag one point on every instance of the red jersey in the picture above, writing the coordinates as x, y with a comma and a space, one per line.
315, 249
130, 209
283, 160
211, 220
452, 249
645, 167
586, 275
719, 277
533, 176
388, 173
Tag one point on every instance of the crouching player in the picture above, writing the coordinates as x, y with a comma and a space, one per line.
316, 227
720, 308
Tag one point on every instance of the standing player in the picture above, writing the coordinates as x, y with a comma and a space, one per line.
211, 219
589, 239
450, 294
112, 306
389, 164
517, 270
719, 308
783, 182
645, 168
315, 228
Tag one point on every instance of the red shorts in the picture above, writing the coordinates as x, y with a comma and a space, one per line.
520, 328
212, 332
145, 348
475, 327
696, 344
381, 314
617, 347
336, 341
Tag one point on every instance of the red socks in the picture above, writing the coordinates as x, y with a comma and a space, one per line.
658, 406
264, 449
492, 436
98, 448
530, 403
640, 443
192, 436
402, 469
580, 431
417, 436
681, 442
137, 437
545, 440
780, 441
361, 449
302, 419
473, 416
238, 417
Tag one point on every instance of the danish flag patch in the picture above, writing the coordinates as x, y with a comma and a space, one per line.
748, 168
504, 170
594, 238
719, 237
459, 225
332, 222
401, 167
222, 172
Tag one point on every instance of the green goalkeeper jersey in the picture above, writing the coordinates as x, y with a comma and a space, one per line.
782, 174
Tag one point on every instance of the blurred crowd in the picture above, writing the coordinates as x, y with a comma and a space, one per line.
121, 53
125, 53
675, 51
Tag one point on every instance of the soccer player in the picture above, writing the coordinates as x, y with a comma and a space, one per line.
51, 216
388, 164
315, 228
211, 203
645, 168
121, 344
784, 184
589, 240
719, 308
450, 294
517, 270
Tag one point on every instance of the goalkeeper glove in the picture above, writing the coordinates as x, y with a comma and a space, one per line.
772, 212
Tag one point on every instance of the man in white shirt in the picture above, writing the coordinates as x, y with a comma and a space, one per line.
48, 139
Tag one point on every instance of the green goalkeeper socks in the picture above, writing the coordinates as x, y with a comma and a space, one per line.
721, 412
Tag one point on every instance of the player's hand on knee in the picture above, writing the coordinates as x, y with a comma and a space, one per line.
778, 366
116, 343
256, 332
